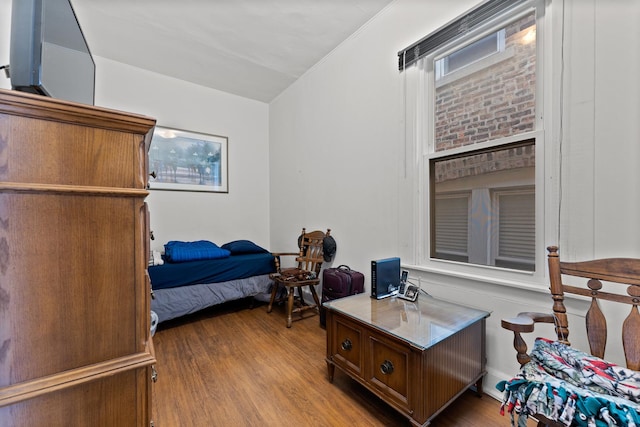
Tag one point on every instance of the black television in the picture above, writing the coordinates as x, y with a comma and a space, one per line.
48, 53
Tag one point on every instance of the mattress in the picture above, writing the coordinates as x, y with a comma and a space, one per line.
172, 275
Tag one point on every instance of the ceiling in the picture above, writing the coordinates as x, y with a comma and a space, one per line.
251, 48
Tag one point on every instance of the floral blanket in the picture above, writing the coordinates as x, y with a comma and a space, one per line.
573, 388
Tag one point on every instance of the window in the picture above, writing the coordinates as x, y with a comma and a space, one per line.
482, 135
476, 51
485, 206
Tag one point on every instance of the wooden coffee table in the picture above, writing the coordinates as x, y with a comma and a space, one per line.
416, 356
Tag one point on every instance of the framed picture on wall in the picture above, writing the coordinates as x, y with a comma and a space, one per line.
188, 161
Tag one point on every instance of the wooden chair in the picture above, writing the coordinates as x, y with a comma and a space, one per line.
616, 271
309, 260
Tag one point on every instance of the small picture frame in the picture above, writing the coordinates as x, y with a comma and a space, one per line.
188, 161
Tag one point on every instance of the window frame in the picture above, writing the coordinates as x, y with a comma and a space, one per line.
427, 154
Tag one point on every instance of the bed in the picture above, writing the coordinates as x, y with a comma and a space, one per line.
197, 275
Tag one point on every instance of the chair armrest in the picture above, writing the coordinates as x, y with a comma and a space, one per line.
277, 255
524, 323
285, 253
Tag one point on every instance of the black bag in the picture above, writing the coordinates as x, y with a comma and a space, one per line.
338, 283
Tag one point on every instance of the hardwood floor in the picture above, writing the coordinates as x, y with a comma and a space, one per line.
233, 365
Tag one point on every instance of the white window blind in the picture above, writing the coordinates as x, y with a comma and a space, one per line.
451, 226
516, 228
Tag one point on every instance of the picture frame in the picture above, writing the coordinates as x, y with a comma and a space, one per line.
182, 160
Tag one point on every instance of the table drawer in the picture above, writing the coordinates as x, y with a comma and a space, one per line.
389, 369
347, 346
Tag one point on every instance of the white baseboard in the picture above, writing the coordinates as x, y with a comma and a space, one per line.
492, 378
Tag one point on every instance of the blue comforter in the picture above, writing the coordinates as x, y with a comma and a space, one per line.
234, 267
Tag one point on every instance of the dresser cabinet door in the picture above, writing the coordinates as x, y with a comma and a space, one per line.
71, 281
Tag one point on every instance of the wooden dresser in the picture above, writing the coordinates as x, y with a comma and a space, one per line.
416, 356
75, 346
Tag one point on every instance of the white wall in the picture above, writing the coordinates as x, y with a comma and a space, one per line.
336, 140
601, 137
337, 151
243, 213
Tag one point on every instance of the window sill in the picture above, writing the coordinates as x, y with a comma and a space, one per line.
529, 284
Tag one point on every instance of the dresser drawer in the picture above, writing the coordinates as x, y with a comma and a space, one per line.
68, 154
347, 346
110, 400
390, 369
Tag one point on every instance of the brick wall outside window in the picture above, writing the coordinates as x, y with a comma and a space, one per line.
491, 103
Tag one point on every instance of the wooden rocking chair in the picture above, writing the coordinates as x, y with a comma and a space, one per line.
616, 271
309, 260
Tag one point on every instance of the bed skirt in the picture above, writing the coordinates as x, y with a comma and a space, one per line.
176, 302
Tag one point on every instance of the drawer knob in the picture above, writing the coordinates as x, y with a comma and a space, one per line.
386, 367
346, 345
